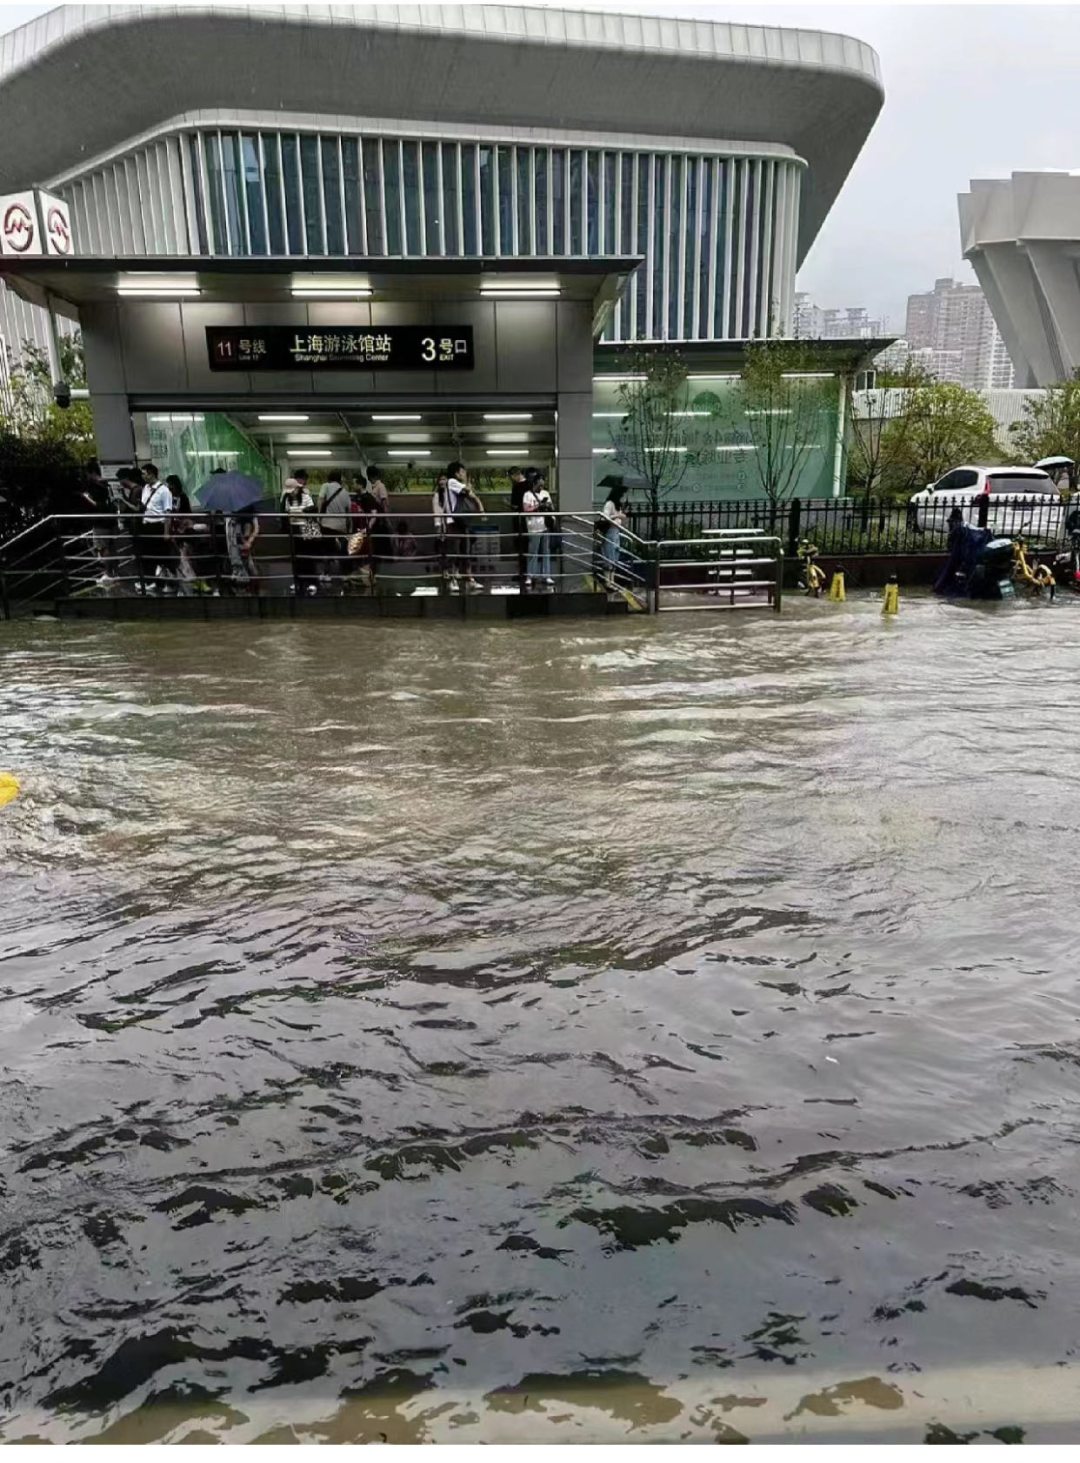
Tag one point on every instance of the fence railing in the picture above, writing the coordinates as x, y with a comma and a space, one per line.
854, 526
188, 555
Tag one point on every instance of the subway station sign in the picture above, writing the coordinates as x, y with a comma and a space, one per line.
340, 348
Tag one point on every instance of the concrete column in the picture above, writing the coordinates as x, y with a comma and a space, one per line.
573, 439
113, 429
838, 445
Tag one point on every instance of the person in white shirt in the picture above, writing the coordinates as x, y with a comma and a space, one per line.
335, 515
613, 513
156, 547
536, 505
464, 504
151, 482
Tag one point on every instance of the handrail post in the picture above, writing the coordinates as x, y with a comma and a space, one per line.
292, 556
5, 603
778, 593
64, 576
794, 518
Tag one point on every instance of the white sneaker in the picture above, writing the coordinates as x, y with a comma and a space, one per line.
453, 586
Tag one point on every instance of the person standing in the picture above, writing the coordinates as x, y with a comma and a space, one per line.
377, 489
156, 545
296, 499
94, 492
335, 515
537, 506
466, 507
518, 487
614, 519
151, 482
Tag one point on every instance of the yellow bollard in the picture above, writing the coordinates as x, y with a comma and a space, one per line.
890, 602
836, 588
9, 788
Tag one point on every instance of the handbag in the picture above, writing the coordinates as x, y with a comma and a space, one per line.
310, 528
358, 544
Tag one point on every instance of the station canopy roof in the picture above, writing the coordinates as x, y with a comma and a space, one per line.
69, 283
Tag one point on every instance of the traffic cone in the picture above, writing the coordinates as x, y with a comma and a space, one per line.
890, 602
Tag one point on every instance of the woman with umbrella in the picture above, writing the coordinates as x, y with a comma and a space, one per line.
241, 499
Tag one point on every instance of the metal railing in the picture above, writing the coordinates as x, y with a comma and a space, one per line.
725, 569
858, 526
120, 555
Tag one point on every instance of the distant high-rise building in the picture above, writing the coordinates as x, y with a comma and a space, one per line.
847, 323
951, 333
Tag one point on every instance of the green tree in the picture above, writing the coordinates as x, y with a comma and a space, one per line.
787, 399
27, 408
939, 426
1050, 424
659, 437
878, 426
36, 478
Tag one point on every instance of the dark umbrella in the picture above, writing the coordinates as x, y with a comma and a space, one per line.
229, 492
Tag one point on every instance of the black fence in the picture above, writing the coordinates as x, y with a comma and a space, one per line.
853, 526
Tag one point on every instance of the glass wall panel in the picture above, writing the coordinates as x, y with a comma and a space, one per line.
309, 160
592, 229
271, 151
611, 245
432, 200
642, 243
350, 160
450, 197
249, 152
410, 162
331, 170
506, 200
372, 200
294, 209
468, 196
626, 243
232, 193
523, 191
708, 264
577, 164
543, 162
214, 190
392, 183
673, 252
487, 198
194, 152
558, 201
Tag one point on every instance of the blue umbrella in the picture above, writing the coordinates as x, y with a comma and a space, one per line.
229, 492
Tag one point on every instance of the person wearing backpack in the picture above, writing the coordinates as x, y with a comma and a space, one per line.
335, 516
465, 509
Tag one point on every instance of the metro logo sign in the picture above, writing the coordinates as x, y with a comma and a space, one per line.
35, 223
57, 228
19, 225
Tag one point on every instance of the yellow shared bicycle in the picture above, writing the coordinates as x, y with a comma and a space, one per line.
813, 574
1029, 573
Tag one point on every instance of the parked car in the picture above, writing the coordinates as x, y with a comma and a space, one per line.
1010, 501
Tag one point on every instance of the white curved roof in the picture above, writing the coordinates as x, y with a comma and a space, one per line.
83, 79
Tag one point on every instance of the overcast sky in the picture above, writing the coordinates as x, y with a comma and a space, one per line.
970, 91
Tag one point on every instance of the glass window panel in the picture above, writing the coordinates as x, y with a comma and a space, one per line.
748, 273
487, 209
543, 156
674, 297
350, 157
195, 161
577, 162
468, 193
719, 324
657, 243
271, 150
214, 189
627, 241
523, 193
643, 243
372, 200
506, 200
309, 159
450, 197
432, 201
391, 173
232, 195
705, 229
558, 200
290, 167
331, 169
610, 236
592, 232
253, 189
414, 244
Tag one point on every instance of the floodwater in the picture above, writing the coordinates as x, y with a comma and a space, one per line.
657, 1029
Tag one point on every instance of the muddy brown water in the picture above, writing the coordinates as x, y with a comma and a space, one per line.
662, 1029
